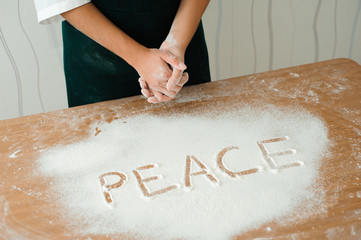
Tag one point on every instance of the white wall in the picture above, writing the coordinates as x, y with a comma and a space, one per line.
247, 36
244, 36
23, 72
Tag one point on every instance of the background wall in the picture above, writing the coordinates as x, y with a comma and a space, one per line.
243, 36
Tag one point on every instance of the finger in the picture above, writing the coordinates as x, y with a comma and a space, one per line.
147, 93
183, 80
161, 97
174, 79
164, 91
143, 84
153, 100
179, 86
177, 89
145, 88
173, 60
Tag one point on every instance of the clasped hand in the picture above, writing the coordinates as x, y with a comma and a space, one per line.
162, 74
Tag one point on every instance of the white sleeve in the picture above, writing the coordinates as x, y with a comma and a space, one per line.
49, 10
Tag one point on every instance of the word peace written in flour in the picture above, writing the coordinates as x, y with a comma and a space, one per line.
204, 170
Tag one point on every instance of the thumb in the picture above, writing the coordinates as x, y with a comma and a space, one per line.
173, 60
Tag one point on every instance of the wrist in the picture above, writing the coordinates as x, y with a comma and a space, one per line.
177, 38
175, 49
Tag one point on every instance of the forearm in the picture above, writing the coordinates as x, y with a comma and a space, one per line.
90, 21
186, 22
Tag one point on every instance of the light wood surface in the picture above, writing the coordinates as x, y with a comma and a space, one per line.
330, 90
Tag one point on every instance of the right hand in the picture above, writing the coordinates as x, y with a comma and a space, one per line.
153, 68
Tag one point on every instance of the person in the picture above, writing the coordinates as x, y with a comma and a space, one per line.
119, 48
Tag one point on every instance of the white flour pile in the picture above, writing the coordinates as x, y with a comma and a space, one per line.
206, 210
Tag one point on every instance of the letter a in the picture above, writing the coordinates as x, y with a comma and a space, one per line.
205, 171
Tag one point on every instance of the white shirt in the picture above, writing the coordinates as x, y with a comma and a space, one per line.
49, 10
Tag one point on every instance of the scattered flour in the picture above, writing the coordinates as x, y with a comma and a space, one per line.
14, 154
158, 149
295, 74
171, 40
160, 74
358, 194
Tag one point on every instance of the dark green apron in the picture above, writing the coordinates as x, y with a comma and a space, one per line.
94, 74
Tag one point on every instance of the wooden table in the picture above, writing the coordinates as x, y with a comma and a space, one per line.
331, 90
